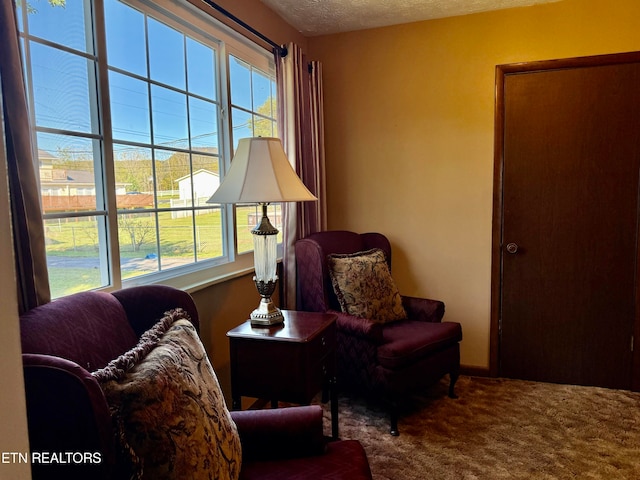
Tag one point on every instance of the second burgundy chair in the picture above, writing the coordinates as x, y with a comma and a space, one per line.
385, 360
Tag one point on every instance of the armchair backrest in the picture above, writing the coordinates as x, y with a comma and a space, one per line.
314, 290
93, 328
88, 328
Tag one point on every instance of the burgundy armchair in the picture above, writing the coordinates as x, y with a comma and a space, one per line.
387, 361
63, 341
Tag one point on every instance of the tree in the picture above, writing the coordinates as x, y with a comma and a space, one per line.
133, 167
69, 159
169, 170
53, 3
139, 230
263, 124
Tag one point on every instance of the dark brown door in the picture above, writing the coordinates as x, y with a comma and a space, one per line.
570, 147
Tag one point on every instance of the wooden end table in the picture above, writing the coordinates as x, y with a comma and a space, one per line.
290, 362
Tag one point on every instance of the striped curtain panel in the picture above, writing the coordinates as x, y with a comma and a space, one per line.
301, 128
26, 213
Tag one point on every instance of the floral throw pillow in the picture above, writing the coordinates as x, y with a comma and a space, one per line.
364, 287
168, 407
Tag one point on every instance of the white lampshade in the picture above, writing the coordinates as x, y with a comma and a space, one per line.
261, 173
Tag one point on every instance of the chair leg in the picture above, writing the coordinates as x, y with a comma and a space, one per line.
393, 417
453, 378
325, 394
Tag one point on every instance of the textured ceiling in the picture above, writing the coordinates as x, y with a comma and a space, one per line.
320, 17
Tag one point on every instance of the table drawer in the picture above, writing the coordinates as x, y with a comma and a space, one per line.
324, 343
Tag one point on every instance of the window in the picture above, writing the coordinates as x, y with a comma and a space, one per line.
136, 119
253, 113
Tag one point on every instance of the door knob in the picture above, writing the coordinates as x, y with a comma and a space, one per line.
512, 247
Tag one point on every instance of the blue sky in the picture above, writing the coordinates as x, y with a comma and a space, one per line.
183, 107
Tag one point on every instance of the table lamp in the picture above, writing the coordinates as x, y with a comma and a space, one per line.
260, 173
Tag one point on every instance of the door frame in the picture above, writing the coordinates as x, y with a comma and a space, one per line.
502, 71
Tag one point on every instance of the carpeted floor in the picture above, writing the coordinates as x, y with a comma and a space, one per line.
500, 428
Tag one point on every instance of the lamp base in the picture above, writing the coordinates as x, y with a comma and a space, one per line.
267, 313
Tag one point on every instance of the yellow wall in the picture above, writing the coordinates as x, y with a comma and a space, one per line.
409, 119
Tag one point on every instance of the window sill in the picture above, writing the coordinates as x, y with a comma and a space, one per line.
200, 280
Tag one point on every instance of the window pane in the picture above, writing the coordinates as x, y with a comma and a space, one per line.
166, 54
205, 177
138, 243
67, 175
246, 219
208, 234
61, 22
274, 96
263, 127
201, 67
275, 215
261, 93
134, 177
241, 125
73, 257
129, 108
248, 216
177, 243
169, 110
240, 75
61, 90
19, 17
125, 37
203, 123
172, 170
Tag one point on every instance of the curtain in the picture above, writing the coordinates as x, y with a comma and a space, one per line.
26, 213
300, 123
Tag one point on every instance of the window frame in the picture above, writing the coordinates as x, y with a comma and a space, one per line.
195, 23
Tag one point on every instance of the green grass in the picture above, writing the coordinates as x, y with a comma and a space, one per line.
76, 240
65, 281
79, 238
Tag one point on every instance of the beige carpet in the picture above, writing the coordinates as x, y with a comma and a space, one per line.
501, 428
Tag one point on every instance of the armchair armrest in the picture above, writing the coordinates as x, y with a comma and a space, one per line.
358, 327
423, 309
280, 433
67, 412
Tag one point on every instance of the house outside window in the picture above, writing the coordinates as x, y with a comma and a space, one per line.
136, 110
